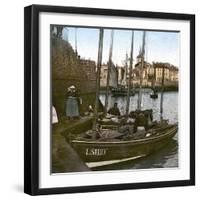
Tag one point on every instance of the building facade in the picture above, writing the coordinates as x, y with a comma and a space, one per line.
170, 73
89, 66
113, 82
151, 75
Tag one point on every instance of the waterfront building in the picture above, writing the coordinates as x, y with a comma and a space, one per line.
170, 73
152, 72
174, 73
89, 66
147, 68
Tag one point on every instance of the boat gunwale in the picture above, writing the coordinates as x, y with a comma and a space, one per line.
128, 141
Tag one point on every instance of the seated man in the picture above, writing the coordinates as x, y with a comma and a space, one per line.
114, 110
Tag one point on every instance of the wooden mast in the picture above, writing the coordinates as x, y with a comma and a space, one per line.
67, 34
154, 75
108, 72
154, 78
130, 76
162, 92
126, 69
75, 40
99, 61
141, 71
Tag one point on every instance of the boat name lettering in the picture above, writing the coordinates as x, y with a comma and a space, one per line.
95, 152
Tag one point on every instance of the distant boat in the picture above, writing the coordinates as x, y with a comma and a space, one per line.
121, 92
154, 95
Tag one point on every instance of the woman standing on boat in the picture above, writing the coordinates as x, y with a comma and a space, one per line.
72, 103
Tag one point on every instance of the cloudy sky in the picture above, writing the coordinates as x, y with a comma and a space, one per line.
160, 46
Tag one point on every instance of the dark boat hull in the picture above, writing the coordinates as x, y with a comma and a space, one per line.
116, 94
154, 96
118, 151
122, 92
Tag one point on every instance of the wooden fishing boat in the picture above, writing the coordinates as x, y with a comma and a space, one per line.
116, 147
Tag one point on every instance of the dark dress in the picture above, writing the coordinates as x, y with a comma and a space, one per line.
72, 104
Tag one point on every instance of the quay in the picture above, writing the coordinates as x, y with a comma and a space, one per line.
64, 158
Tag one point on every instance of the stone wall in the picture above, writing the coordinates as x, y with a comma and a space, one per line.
67, 70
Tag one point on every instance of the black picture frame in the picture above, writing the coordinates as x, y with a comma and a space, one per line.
31, 98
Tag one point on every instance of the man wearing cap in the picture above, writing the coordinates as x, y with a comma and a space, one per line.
114, 110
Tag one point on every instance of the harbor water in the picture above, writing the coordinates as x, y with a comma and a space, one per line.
166, 157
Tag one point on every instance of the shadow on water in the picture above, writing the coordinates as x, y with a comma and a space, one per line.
166, 157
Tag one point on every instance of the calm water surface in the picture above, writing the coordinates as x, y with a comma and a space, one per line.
166, 157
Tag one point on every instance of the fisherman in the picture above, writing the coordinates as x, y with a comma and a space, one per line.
143, 119
72, 103
114, 110
149, 118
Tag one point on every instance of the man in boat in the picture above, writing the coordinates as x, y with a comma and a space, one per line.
143, 119
72, 103
114, 110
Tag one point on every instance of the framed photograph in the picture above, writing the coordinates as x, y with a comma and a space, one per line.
109, 99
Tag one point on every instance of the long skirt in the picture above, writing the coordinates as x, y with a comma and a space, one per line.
72, 109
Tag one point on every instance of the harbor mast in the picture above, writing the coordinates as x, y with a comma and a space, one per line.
108, 72
126, 70
130, 75
141, 72
75, 41
162, 93
99, 61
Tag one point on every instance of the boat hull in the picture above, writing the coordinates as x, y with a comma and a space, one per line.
154, 96
116, 151
116, 94
122, 92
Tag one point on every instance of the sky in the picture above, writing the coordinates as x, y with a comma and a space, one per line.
160, 46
